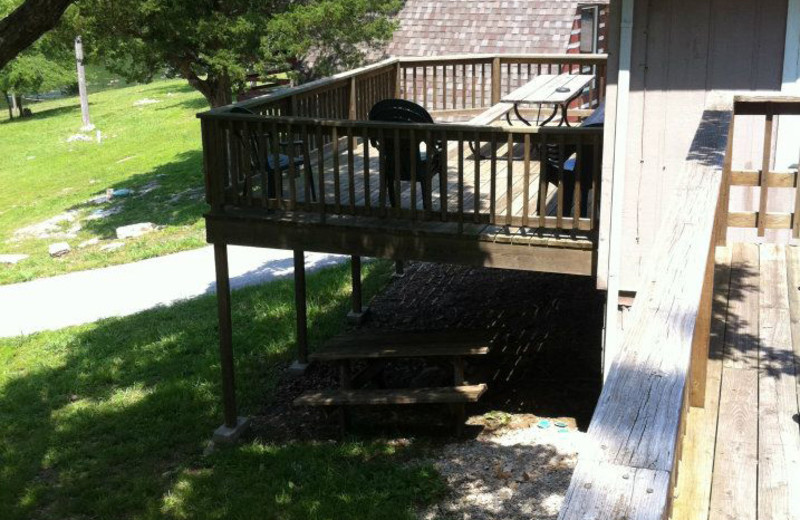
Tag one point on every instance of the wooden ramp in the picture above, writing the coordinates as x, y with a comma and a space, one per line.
741, 453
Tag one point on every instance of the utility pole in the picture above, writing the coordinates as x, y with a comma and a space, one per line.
87, 124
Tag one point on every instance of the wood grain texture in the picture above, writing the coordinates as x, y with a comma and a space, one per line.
741, 341
693, 490
639, 416
379, 397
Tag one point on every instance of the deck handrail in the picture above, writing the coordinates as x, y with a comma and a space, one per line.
628, 466
348, 95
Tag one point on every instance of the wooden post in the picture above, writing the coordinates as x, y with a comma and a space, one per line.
352, 105
358, 313
766, 165
495, 80
702, 333
397, 80
87, 124
11, 101
225, 335
725, 189
399, 269
300, 306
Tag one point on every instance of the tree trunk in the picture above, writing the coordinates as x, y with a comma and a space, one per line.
8, 103
216, 89
26, 24
20, 108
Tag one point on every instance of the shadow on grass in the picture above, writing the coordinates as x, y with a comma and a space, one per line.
43, 114
110, 420
169, 195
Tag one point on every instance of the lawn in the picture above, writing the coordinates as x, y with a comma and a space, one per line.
110, 420
150, 144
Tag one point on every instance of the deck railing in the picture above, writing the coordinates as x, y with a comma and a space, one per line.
505, 176
629, 464
765, 178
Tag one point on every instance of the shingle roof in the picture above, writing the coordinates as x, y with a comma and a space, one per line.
430, 27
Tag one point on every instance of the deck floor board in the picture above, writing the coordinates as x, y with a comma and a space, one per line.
742, 450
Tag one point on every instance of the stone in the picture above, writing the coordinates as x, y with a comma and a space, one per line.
113, 246
58, 249
12, 259
227, 435
297, 369
100, 214
135, 230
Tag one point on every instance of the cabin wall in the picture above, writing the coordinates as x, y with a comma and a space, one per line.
683, 50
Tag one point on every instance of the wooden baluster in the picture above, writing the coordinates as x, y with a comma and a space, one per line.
474, 85
321, 169
544, 171
292, 169
367, 194
460, 182
277, 174
509, 178
454, 86
351, 170
444, 87
577, 194
337, 188
413, 152
443, 177
246, 160
519, 75
526, 177
766, 164
597, 168
414, 85
427, 193
425, 86
508, 84
235, 142
496, 79
398, 194
435, 88
382, 167
560, 192
308, 177
477, 180
483, 85
463, 85
493, 185
405, 82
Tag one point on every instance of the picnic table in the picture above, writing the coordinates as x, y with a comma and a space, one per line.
548, 89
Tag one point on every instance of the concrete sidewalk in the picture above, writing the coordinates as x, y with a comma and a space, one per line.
86, 296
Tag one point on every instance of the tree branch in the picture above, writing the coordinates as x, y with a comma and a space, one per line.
26, 24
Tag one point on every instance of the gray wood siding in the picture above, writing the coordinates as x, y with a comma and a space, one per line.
682, 51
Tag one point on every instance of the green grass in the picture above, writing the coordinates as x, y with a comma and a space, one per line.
43, 176
110, 420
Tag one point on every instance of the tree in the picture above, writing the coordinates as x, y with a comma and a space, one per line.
26, 24
214, 44
44, 66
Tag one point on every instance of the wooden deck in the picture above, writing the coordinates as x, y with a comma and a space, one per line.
741, 453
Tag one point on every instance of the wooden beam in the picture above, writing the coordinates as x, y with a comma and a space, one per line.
774, 179
225, 335
750, 220
300, 306
765, 168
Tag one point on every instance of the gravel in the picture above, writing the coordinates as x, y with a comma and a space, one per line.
519, 472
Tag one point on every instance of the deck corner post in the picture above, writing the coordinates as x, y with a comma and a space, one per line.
702, 333
358, 313
234, 425
301, 312
495, 80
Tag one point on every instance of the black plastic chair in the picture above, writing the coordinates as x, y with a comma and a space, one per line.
402, 111
554, 162
259, 166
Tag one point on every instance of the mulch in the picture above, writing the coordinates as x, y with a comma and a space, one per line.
545, 358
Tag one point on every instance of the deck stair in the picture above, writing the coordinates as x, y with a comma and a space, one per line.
377, 348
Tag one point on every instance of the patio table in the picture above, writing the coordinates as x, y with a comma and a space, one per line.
549, 89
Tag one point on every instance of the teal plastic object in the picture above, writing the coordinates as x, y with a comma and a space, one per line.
543, 424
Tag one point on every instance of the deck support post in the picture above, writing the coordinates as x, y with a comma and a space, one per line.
358, 313
399, 269
234, 425
702, 333
301, 363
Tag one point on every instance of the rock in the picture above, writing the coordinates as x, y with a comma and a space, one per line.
54, 227
100, 214
90, 242
145, 101
135, 230
12, 259
113, 246
59, 249
79, 137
